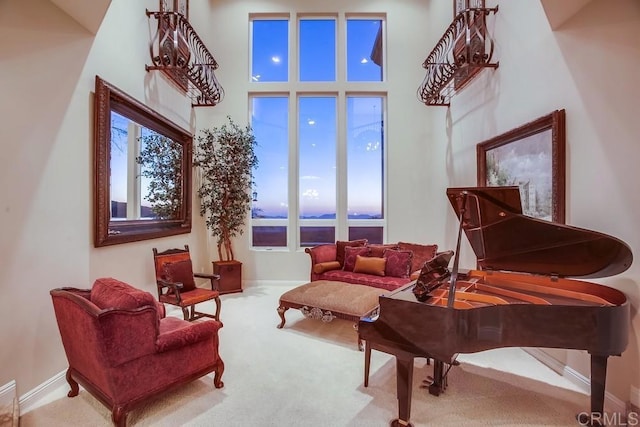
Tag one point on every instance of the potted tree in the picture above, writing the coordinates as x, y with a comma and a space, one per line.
225, 159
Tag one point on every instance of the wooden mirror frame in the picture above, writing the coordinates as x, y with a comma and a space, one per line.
555, 122
108, 98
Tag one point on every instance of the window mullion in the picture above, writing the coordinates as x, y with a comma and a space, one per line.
293, 234
341, 50
341, 168
294, 166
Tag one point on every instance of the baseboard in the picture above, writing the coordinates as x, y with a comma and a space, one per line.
52, 389
283, 283
8, 393
611, 402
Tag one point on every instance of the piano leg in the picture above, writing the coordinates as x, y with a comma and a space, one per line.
598, 383
404, 379
367, 362
437, 384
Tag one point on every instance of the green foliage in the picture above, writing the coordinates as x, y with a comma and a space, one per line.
161, 161
496, 175
225, 157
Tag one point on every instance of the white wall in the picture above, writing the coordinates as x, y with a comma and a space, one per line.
45, 186
48, 63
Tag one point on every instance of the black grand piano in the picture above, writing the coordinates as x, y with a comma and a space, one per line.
519, 296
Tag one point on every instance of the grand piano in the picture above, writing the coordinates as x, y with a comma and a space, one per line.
519, 295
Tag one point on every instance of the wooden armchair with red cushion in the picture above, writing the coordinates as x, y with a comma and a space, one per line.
176, 284
123, 350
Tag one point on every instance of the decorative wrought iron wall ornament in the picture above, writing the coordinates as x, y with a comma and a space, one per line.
178, 52
465, 48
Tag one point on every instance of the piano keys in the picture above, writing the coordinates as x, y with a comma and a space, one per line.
520, 295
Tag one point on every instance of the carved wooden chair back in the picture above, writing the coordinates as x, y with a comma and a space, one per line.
175, 281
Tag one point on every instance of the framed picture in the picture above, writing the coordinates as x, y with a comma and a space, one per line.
532, 157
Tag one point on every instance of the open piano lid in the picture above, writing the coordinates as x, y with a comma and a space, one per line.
503, 238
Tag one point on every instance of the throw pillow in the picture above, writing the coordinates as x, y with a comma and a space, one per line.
378, 250
108, 292
180, 271
350, 254
421, 253
370, 265
321, 267
340, 245
398, 262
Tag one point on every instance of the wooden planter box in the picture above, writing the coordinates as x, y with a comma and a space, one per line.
230, 276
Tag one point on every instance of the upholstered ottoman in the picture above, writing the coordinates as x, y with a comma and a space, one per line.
326, 300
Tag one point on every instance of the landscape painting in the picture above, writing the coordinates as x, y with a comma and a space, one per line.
532, 158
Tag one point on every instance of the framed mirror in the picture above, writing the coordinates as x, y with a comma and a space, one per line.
142, 172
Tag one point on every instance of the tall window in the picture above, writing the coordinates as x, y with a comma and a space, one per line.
270, 210
364, 50
319, 126
365, 166
317, 51
269, 51
317, 189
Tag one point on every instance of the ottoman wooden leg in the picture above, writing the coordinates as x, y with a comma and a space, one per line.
360, 346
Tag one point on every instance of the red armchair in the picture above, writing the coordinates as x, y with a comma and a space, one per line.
123, 350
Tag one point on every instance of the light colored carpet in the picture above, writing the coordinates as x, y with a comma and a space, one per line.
311, 374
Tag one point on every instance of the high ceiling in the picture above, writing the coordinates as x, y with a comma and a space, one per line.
559, 11
89, 14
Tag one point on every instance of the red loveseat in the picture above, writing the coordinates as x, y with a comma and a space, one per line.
123, 350
387, 266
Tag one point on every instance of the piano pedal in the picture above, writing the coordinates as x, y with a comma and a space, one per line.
431, 384
426, 383
434, 388
400, 423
